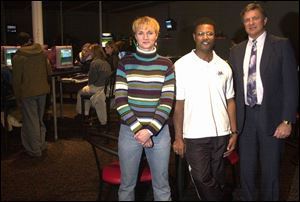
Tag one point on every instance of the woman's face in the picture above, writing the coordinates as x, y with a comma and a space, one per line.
108, 50
86, 51
146, 37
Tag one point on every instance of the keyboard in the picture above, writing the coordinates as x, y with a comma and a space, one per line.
77, 78
84, 80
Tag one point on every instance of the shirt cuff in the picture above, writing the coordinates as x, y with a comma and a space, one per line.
149, 132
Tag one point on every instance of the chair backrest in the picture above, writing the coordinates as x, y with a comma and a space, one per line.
111, 172
110, 86
233, 157
109, 92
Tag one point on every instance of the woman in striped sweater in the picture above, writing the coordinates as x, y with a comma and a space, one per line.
145, 85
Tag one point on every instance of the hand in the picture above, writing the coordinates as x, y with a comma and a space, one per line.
179, 147
231, 145
142, 136
148, 143
283, 131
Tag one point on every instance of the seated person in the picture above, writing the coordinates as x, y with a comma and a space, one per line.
6, 93
51, 55
99, 71
84, 57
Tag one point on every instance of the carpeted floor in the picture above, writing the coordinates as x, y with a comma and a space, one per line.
67, 169
65, 172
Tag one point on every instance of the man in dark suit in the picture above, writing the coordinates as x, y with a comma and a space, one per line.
266, 86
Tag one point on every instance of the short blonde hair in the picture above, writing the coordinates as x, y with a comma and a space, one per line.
145, 21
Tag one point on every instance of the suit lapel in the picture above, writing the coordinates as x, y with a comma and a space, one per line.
265, 58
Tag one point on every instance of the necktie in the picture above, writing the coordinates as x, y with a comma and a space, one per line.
251, 82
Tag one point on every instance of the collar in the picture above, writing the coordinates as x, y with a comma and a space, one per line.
146, 54
260, 40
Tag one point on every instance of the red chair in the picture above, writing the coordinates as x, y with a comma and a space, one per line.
233, 159
110, 174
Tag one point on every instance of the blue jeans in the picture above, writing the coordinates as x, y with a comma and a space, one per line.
130, 152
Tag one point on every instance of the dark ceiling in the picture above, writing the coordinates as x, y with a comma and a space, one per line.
87, 6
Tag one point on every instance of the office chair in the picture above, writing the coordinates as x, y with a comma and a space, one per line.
109, 92
110, 174
233, 159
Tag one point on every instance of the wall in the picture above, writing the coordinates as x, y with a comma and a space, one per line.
226, 15
82, 26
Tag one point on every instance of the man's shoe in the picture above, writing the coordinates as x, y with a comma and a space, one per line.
78, 117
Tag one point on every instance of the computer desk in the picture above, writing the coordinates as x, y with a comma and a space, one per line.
54, 76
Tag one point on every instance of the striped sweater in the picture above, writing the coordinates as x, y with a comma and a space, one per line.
145, 85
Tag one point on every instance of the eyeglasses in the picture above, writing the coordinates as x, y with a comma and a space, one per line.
209, 34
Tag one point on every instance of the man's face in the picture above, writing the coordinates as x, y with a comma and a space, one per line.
204, 37
254, 23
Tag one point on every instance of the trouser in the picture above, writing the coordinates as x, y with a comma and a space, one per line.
33, 132
257, 148
97, 100
130, 152
205, 158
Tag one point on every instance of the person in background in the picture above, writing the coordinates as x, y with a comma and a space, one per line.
121, 45
204, 116
266, 86
145, 86
31, 69
51, 55
112, 52
84, 58
6, 94
99, 71
126, 47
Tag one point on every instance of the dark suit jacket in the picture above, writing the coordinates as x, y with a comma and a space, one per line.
279, 77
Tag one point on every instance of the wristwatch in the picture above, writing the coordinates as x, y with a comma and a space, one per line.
234, 133
286, 122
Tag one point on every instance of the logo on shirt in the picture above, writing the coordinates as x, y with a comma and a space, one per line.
220, 73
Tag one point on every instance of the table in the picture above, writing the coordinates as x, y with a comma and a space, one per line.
55, 75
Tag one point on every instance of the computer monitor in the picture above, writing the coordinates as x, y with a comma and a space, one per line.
64, 57
11, 28
170, 24
106, 37
7, 54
